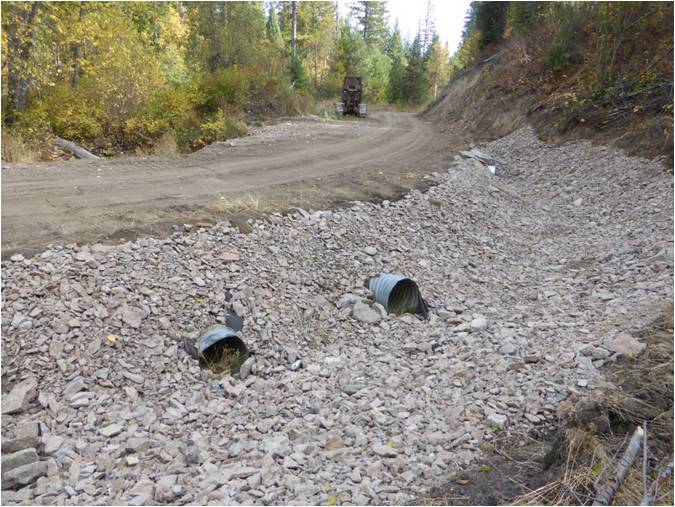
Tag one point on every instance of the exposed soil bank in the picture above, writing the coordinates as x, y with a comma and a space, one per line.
496, 97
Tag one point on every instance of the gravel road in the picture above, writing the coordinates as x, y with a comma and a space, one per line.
536, 277
300, 162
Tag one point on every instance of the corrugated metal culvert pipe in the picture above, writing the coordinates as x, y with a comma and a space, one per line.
220, 349
398, 294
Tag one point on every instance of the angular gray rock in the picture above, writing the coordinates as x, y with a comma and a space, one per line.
497, 420
384, 450
364, 313
132, 316
111, 430
18, 399
23, 475
246, 368
25, 436
352, 388
52, 443
479, 324
348, 300
513, 248
140, 444
507, 349
626, 345
164, 491
74, 386
19, 458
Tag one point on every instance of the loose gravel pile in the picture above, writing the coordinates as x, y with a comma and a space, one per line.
535, 278
295, 128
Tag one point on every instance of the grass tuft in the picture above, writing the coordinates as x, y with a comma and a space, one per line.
224, 361
251, 201
16, 149
166, 146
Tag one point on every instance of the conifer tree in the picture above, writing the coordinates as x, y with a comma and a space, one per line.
415, 76
397, 73
373, 19
272, 29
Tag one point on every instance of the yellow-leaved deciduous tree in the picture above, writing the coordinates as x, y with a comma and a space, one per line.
107, 69
94, 65
19, 20
437, 66
319, 32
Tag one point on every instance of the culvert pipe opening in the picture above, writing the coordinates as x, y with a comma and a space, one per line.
221, 350
398, 294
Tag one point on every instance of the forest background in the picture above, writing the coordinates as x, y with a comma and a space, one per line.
169, 77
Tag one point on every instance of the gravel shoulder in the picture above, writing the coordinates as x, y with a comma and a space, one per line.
306, 162
535, 277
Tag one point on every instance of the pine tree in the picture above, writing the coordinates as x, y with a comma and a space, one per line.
396, 51
272, 29
372, 16
350, 52
489, 20
415, 76
298, 73
318, 41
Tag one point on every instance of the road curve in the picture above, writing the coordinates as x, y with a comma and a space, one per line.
108, 200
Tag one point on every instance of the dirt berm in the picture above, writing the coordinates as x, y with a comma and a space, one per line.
499, 95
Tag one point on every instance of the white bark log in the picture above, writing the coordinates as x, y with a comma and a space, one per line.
608, 490
74, 148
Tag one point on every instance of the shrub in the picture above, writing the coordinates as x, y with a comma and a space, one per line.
167, 145
298, 73
196, 133
219, 89
565, 48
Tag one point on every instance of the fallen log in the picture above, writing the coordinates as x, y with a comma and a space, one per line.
607, 491
74, 148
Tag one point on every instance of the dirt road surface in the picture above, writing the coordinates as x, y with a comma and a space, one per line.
311, 163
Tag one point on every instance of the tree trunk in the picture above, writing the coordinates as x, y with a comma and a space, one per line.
20, 46
315, 62
365, 21
75, 149
76, 50
608, 490
294, 26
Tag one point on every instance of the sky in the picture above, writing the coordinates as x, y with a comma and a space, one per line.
448, 15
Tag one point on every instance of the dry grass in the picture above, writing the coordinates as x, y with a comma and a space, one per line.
251, 201
16, 149
640, 392
227, 358
584, 455
256, 203
166, 145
